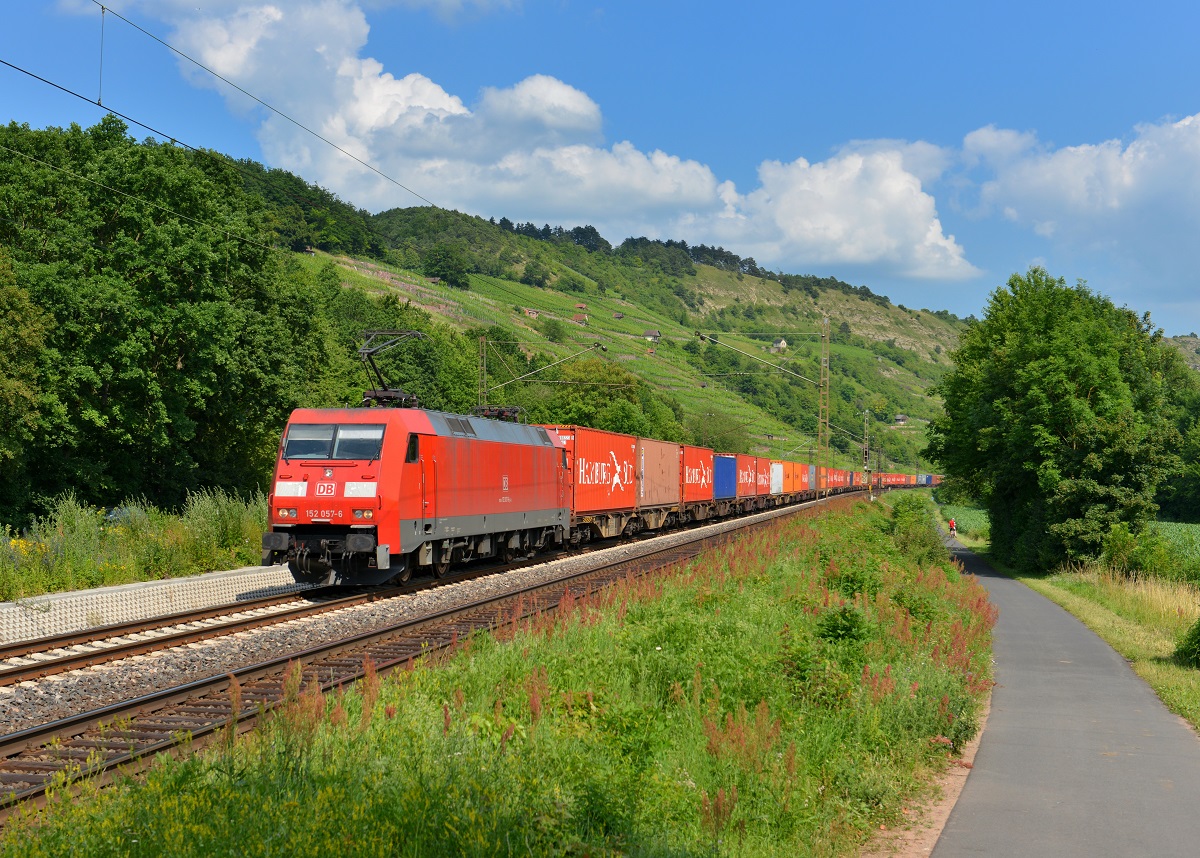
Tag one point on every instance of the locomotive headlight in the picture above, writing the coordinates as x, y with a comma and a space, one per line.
286, 513
364, 513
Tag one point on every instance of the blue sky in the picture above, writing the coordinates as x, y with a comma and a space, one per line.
927, 150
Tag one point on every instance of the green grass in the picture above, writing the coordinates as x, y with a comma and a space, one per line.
1183, 547
785, 695
493, 300
77, 547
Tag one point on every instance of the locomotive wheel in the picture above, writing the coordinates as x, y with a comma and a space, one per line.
507, 555
406, 575
440, 568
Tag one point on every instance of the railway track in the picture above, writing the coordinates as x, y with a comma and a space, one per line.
24, 661
127, 736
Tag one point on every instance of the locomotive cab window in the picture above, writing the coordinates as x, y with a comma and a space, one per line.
309, 441
358, 442
329, 441
413, 449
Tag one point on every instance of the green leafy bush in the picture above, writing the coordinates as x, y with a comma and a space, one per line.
1188, 650
913, 530
843, 623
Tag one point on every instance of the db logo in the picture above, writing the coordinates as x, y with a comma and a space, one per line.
504, 482
326, 490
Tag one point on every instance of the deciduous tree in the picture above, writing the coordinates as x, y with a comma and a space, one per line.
1057, 413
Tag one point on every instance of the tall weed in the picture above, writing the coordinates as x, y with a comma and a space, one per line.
75, 546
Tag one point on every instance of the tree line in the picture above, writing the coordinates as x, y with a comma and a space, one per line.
158, 333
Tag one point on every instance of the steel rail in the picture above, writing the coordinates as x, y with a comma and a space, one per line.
77, 660
19, 649
67, 661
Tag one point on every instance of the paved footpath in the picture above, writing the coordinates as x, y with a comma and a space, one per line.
1079, 757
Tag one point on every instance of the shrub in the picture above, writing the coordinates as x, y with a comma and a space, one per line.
843, 623
913, 530
1188, 650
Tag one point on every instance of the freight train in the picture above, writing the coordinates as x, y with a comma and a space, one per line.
364, 496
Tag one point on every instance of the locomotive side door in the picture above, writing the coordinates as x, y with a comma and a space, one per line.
429, 490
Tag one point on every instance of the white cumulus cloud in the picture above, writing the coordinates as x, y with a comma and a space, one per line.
862, 207
1135, 203
535, 149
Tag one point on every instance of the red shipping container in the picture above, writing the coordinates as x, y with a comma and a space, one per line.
603, 468
762, 471
747, 479
658, 473
697, 474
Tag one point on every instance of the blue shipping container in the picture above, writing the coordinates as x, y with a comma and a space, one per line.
724, 476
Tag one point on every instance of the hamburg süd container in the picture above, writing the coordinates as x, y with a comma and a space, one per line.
747, 476
696, 474
603, 468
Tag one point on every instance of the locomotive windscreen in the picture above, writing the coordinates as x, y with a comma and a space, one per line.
330, 441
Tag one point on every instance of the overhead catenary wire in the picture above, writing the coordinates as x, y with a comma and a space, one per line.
778, 367
100, 84
268, 106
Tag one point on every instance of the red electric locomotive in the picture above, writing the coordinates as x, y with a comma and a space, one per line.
366, 495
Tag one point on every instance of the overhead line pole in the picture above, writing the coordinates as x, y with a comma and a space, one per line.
823, 433
482, 372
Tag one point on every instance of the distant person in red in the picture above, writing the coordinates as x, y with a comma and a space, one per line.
953, 528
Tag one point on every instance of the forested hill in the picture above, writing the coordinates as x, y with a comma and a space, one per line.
165, 309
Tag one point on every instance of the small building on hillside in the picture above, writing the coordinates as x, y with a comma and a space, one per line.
580, 318
581, 306
531, 313
618, 315
780, 344
652, 336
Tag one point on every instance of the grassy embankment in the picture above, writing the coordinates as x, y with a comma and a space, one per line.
785, 695
1143, 615
76, 547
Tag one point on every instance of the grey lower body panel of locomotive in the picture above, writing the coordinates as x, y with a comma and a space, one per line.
340, 554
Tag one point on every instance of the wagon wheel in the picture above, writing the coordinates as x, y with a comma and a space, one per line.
506, 554
403, 577
440, 568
